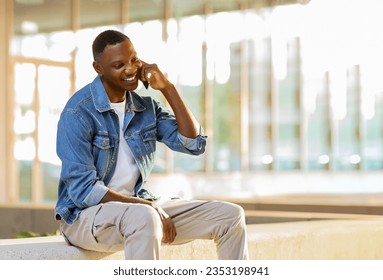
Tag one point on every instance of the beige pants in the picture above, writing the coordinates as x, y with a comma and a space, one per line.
137, 228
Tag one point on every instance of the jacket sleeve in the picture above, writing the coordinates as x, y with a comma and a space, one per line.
167, 133
193, 144
74, 148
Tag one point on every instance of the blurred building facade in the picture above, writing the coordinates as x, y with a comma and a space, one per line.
280, 87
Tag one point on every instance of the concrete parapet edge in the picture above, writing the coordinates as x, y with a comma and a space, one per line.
313, 240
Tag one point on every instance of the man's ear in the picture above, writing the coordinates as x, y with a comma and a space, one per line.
97, 67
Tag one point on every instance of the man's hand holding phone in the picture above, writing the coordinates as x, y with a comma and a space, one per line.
151, 75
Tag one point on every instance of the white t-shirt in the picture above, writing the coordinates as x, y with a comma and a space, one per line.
127, 172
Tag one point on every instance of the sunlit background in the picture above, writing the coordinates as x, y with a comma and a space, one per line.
281, 87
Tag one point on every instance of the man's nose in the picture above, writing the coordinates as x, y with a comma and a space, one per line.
129, 68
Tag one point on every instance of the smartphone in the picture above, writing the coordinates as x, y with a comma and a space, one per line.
145, 83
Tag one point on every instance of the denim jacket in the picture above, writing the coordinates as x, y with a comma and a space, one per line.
88, 139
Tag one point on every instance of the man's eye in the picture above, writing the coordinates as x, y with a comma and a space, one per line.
119, 66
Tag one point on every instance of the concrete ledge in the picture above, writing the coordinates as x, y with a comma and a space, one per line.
320, 240
48, 248
55, 248
313, 240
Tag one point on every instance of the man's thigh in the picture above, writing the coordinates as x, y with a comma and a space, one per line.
198, 219
99, 227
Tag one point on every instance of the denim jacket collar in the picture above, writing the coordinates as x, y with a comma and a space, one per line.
133, 103
101, 99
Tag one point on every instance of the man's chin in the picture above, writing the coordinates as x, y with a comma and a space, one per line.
132, 86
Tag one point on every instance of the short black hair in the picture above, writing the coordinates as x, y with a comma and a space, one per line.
105, 38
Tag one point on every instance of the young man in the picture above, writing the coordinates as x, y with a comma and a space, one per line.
106, 141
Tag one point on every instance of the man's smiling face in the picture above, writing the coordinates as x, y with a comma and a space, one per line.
118, 67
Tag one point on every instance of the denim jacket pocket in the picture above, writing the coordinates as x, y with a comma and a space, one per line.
102, 142
102, 153
149, 138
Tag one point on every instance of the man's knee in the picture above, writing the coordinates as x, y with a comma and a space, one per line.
143, 218
234, 211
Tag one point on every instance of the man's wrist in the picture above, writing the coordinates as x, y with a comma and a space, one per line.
168, 89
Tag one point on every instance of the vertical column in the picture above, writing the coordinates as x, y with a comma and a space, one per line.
208, 97
361, 123
333, 126
124, 11
303, 119
330, 141
3, 90
75, 14
356, 106
37, 169
167, 15
8, 186
274, 101
244, 88
75, 23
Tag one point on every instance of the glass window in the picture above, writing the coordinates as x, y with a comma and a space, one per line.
55, 46
348, 122
372, 150
305, 86
39, 101
371, 107
52, 99
317, 105
260, 104
186, 68
25, 126
288, 147
223, 67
